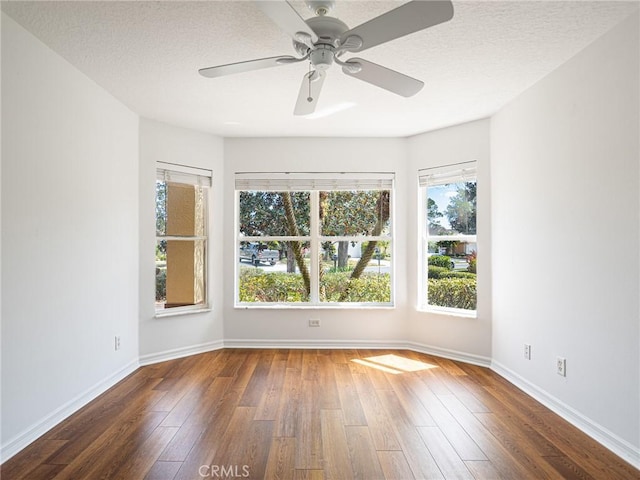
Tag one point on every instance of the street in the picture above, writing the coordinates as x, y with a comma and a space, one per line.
385, 266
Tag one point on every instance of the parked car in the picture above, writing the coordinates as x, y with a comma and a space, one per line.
257, 253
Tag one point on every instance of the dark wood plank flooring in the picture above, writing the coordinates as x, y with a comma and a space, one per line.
315, 414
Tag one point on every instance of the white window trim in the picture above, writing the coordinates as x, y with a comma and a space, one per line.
314, 183
181, 311
179, 173
441, 175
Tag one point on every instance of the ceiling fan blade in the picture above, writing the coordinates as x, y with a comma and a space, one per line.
403, 20
285, 16
309, 93
383, 77
246, 66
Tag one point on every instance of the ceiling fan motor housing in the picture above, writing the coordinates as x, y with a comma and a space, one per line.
328, 29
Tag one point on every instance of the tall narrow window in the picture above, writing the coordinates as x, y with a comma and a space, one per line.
181, 238
449, 248
314, 239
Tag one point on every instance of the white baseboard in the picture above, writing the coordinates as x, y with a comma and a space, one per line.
370, 344
450, 354
20, 441
310, 344
180, 352
600, 434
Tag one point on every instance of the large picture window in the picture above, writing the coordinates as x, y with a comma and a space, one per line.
449, 248
181, 238
314, 239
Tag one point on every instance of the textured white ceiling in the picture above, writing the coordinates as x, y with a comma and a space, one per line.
147, 54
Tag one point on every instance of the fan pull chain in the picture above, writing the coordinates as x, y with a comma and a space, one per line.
309, 98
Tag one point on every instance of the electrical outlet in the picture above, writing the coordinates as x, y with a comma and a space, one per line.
117, 342
561, 366
314, 322
527, 351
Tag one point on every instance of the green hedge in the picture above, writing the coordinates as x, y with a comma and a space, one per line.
370, 287
440, 261
437, 272
257, 286
280, 287
161, 284
451, 274
453, 293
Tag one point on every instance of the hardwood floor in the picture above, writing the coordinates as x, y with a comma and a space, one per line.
315, 414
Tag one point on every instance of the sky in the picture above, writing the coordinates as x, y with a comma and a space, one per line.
441, 195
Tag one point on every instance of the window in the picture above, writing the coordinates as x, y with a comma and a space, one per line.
181, 238
449, 249
314, 239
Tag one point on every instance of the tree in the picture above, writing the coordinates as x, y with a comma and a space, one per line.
348, 213
433, 216
263, 213
341, 214
161, 217
461, 210
293, 231
383, 212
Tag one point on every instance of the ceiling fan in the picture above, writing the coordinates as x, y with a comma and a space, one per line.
323, 40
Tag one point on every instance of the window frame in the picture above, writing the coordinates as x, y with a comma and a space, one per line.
430, 177
188, 175
314, 183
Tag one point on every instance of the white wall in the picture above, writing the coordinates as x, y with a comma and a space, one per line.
316, 155
462, 337
69, 236
177, 335
565, 185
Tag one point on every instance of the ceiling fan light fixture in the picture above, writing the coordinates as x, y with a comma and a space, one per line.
322, 57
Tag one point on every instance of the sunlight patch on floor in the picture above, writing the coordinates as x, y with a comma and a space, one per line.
394, 364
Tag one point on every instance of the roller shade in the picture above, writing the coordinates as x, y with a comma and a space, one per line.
280, 182
441, 175
169, 172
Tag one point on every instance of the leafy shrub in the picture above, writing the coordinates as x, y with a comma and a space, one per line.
472, 258
453, 293
161, 284
370, 287
383, 249
452, 274
257, 286
440, 261
437, 272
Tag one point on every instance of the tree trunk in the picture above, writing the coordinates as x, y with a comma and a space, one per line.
291, 259
343, 254
382, 206
295, 245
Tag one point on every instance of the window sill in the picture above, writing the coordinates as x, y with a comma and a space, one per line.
177, 313
450, 312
